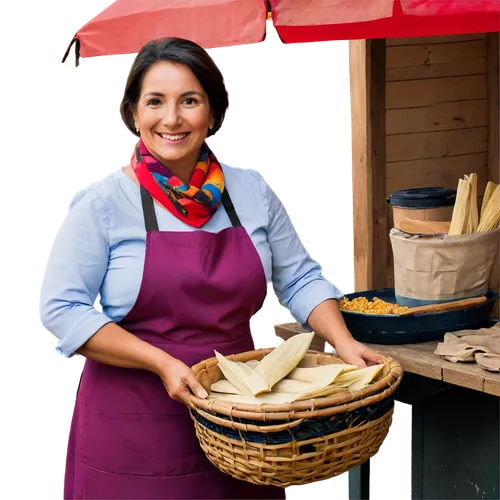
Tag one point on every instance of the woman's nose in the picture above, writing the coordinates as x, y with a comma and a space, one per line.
171, 117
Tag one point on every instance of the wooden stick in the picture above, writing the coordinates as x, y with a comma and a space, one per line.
445, 306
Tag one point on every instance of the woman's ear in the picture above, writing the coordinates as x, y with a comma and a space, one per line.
136, 120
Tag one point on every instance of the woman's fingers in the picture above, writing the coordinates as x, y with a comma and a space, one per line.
194, 385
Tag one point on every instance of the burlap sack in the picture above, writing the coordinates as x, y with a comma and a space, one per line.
433, 269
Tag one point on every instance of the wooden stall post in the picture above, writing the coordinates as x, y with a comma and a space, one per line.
367, 81
493, 64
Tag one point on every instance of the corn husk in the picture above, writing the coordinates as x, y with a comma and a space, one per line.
225, 387
358, 379
285, 391
282, 360
320, 392
292, 386
270, 370
252, 363
288, 391
320, 375
268, 397
460, 217
491, 215
242, 376
466, 218
258, 382
490, 189
473, 219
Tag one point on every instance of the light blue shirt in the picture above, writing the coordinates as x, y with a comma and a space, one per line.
101, 244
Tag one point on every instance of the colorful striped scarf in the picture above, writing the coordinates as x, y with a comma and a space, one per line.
192, 203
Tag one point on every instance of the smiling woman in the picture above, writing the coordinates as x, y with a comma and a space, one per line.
170, 291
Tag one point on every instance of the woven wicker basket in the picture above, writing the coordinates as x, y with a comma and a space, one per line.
294, 443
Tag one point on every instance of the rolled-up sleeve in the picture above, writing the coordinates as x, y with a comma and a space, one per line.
297, 278
77, 265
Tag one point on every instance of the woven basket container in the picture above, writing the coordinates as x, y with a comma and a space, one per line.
293, 443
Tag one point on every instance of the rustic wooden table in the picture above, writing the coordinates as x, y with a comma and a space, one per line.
419, 359
455, 424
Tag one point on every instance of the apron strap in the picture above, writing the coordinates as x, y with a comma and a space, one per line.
151, 221
231, 212
148, 210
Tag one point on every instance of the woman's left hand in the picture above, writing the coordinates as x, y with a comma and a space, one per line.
353, 352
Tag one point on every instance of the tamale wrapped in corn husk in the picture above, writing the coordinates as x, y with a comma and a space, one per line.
282, 360
270, 370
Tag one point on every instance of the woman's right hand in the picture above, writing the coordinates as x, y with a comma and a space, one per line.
178, 379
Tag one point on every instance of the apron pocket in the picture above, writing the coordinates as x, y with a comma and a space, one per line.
142, 444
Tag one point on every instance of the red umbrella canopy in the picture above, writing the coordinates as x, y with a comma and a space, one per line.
361, 19
126, 25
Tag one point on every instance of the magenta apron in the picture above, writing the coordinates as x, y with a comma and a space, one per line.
129, 439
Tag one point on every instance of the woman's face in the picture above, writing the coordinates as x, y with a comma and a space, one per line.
173, 114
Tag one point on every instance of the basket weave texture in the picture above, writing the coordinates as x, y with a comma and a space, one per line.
293, 443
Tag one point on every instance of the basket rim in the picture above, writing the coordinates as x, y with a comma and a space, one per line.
339, 402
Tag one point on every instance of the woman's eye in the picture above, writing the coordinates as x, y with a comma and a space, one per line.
154, 102
190, 101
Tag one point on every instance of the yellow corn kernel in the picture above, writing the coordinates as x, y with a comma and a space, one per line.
364, 306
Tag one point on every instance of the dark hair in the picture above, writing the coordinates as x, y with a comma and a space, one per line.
180, 51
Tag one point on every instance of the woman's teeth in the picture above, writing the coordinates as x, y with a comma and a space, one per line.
177, 137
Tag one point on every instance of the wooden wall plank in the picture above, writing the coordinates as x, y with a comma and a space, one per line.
440, 116
367, 81
443, 172
414, 55
474, 66
493, 108
419, 146
494, 133
415, 93
392, 42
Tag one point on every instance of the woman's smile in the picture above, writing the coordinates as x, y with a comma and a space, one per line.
173, 139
